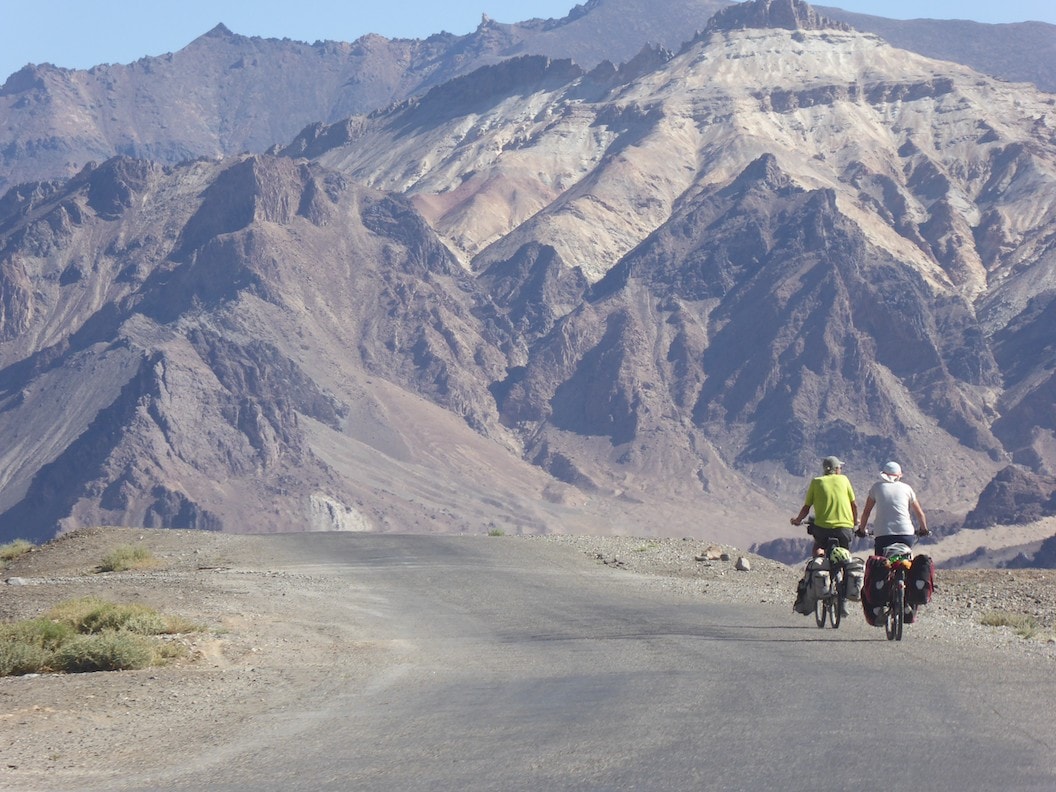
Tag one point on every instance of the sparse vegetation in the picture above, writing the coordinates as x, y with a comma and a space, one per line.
90, 634
12, 550
91, 615
126, 557
1025, 626
108, 651
496, 532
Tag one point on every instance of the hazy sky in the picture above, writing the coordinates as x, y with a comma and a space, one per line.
78, 34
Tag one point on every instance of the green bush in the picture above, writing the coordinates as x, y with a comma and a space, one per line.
72, 612
107, 651
125, 557
41, 633
26, 647
17, 658
93, 615
137, 619
90, 634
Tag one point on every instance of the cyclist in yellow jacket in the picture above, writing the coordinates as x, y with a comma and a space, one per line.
835, 510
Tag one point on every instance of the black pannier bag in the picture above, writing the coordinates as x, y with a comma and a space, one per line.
805, 597
920, 582
876, 588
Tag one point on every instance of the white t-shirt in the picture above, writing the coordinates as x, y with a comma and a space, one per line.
892, 508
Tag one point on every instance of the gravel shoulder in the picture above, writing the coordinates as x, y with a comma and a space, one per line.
275, 638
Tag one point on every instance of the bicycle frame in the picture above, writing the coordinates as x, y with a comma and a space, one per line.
831, 605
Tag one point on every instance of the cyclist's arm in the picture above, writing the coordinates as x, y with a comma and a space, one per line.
808, 501
869, 503
922, 521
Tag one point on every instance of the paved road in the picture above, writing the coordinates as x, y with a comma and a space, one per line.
527, 667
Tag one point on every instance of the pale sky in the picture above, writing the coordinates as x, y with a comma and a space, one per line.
79, 34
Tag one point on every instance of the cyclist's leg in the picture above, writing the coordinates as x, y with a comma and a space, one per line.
839, 573
841, 593
838, 537
821, 540
910, 609
822, 537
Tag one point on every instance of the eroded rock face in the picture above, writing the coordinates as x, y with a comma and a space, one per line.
786, 14
1015, 495
1046, 555
182, 314
788, 551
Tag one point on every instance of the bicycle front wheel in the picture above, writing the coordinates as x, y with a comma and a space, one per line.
839, 600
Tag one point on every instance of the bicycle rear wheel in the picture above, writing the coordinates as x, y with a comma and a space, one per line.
896, 614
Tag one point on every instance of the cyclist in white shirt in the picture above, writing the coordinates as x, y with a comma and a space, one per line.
896, 505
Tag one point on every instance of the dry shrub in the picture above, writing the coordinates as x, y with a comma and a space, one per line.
126, 557
107, 651
18, 658
12, 550
1024, 625
90, 634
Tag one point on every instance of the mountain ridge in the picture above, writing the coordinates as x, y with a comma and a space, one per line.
229, 82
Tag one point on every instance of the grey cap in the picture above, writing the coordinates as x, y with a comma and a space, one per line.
831, 463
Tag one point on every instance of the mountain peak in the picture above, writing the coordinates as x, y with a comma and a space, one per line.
220, 31
785, 14
764, 172
28, 78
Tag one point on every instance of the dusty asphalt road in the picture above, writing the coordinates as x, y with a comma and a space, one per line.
512, 665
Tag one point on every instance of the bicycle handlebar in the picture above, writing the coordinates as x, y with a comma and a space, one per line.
869, 532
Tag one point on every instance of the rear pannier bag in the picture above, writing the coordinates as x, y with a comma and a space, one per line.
854, 575
805, 598
876, 587
920, 581
813, 584
819, 575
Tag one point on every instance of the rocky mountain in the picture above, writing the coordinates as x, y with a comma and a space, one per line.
225, 94
1018, 52
246, 345
541, 297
